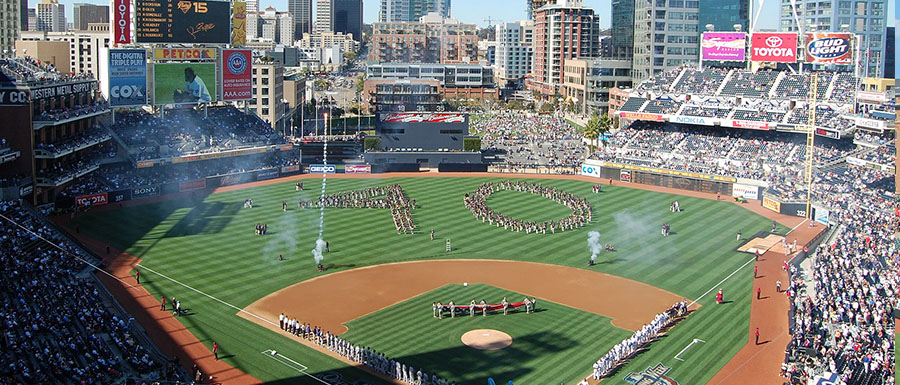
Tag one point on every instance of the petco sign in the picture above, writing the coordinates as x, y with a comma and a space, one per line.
774, 47
831, 48
322, 169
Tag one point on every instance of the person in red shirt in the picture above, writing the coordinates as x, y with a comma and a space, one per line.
755, 271
758, 292
216, 348
137, 276
757, 335
162, 304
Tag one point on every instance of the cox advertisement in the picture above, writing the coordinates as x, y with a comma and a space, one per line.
237, 74
831, 48
322, 169
184, 83
127, 77
724, 46
357, 169
774, 47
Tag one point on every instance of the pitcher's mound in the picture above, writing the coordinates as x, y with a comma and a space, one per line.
486, 339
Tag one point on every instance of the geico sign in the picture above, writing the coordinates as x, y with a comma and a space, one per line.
322, 168
126, 92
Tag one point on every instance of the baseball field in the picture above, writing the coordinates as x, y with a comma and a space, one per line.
378, 285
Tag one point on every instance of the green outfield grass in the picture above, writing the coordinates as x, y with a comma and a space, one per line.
210, 245
548, 345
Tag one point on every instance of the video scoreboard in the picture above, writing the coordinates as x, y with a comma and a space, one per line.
183, 21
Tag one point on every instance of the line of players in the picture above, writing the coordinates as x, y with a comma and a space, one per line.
624, 350
477, 203
375, 360
438, 309
391, 197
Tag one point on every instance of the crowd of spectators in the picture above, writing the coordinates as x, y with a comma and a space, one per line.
58, 114
69, 167
35, 72
88, 137
56, 328
189, 131
527, 140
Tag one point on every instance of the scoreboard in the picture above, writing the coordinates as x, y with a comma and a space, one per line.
183, 21
679, 182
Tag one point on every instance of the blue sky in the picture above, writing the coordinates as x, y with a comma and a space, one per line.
476, 11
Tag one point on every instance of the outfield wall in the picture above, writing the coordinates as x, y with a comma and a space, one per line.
659, 177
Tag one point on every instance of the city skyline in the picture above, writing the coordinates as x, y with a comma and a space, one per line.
472, 11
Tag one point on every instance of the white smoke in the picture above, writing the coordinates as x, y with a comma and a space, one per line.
320, 244
317, 252
594, 244
285, 240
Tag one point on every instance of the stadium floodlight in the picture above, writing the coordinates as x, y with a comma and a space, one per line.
711, 27
845, 27
738, 27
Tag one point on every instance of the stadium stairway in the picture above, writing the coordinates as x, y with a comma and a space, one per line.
831, 84
722, 87
772, 91
677, 79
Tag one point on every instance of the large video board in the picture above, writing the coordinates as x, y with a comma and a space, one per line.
183, 21
184, 83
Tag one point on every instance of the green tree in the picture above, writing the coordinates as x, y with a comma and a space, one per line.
592, 130
605, 125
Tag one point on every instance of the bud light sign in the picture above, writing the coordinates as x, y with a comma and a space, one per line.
322, 169
831, 48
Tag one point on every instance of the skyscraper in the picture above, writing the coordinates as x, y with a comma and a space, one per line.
23, 15
347, 16
411, 10
323, 16
666, 35
724, 14
51, 16
867, 18
565, 30
515, 45
622, 38
301, 11
9, 25
89, 13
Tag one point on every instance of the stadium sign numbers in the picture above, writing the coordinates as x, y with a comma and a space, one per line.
322, 169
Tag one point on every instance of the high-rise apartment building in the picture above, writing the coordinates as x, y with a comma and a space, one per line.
411, 10
347, 17
23, 15
323, 16
252, 5
51, 16
532, 5
302, 11
32, 20
268, 93
515, 46
271, 25
429, 41
725, 14
565, 30
621, 41
9, 25
666, 35
85, 14
866, 18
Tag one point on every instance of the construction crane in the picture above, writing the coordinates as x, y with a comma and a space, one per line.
490, 21
811, 140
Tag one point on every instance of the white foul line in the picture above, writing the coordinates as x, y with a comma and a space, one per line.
275, 356
686, 348
720, 282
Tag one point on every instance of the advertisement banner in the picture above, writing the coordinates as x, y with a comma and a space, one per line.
871, 124
724, 46
184, 83
92, 200
322, 169
195, 184
872, 96
701, 121
642, 116
191, 54
271, 173
121, 28
183, 21
287, 169
145, 163
286, 147
420, 117
827, 47
774, 47
666, 172
144, 192
750, 124
589, 170
358, 169
237, 74
26, 190
625, 176
821, 215
238, 23
745, 191
828, 133
127, 77
230, 180
771, 204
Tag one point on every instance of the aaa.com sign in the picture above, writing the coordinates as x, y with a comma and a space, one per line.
774, 47
832, 48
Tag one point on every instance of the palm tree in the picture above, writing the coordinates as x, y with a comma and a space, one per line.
604, 125
592, 129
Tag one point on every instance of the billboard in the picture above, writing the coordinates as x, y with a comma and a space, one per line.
92, 200
127, 77
239, 23
183, 21
195, 184
322, 169
827, 47
724, 46
753, 125
184, 83
745, 191
237, 74
423, 117
121, 28
774, 47
144, 192
642, 116
357, 169
188, 54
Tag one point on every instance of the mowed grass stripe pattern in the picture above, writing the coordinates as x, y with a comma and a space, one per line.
210, 245
543, 340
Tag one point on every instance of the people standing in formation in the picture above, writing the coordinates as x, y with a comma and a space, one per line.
624, 350
299, 186
382, 197
596, 188
477, 203
360, 354
675, 207
262, 229
666, 229
438, 309
248, 203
